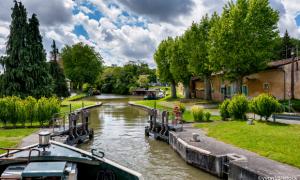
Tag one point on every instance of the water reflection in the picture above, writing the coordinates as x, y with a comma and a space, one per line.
119, 132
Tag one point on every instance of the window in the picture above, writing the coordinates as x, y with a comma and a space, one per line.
266, 86
228, 91
245, 90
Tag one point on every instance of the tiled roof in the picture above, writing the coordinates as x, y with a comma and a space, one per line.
282, 62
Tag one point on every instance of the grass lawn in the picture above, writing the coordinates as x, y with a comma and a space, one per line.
76, 97
65, 105
276, 141
12, 137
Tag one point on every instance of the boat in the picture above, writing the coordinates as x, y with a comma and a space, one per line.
52, 160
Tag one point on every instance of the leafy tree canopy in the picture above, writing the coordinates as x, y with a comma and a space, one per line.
243, 38
82, 63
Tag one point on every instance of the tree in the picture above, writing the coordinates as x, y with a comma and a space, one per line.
143, 81
287, 46
179, 64
13, 77
243, 38
25, 68
162, 59
82, 64
57, 73
197, 51
38, 68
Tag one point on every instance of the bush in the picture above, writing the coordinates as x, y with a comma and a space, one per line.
3, 111
207, 115
15, 110
224, 109
46, 108
265, 105
86, 87
30, 109
238, 107
181, 107
197, 113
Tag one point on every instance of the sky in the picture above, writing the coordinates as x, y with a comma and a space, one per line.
126, 30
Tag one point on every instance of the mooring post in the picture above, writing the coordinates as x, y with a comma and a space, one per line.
151, 119
154, 119
71, 127
87, 114
163, 114
166, 124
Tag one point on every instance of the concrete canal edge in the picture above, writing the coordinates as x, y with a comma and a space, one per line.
34, 137
224, 160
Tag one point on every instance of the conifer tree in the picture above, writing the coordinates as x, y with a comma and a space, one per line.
286, 46
25, 69
38, 69
13, 77
60, 84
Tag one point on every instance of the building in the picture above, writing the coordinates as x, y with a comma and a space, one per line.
276, 80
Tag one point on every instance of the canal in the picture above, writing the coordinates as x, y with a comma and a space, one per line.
119, 132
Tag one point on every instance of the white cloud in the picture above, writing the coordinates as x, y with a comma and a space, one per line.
126, 32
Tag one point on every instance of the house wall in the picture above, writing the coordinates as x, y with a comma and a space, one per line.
276, 82
269, 81
199, 89
288, 70
217, 83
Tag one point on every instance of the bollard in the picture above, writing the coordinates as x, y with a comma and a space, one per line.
166, 133
163, 114
154, 119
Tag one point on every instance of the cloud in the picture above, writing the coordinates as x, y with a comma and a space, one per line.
160, 10
124, 30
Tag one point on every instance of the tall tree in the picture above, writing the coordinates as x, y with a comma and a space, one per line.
38, 69
179, 64
287, 46
57, 73
162, 60
82, 63
26, 71
197, 51
14, 79
243, 38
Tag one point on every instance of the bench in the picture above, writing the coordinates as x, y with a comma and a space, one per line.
286, 117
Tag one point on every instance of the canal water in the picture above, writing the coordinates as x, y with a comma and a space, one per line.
119, 132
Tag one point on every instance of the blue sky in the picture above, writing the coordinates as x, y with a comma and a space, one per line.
125, 30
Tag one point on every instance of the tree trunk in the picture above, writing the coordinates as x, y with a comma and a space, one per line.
239, 84
173, 89
207, 91
187, 92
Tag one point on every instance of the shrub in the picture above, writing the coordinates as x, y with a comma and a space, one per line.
21, 112
181, 107
30, 103
224, 109
46, 108
207, 115
238, 107
15, 110
86, 87
3, 111
197, 113
265, 105
12, 103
